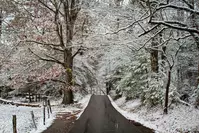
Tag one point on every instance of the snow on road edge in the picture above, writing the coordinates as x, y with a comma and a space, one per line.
84, 103
41, 127
180, 118
132, 116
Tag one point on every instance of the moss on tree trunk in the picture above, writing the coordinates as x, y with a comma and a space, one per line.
68, 93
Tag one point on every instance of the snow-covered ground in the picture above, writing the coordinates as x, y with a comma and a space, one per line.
84, 103
180, 119
24, 119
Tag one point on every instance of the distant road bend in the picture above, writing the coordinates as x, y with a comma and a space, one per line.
101, 117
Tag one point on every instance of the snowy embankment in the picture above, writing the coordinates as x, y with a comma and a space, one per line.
24, 119
180, 119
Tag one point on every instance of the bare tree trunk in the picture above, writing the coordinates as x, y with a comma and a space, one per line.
1, 21
163, 57
154, 51
68, 96
194, 23
198, 75
180, 18
197, 98
70, 18
167, 92
68, 93
154, 57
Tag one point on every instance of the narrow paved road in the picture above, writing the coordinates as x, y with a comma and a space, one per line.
101, 117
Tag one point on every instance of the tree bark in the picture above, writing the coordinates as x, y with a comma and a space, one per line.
68, 96
163, 55
68, 93
180, 18
1, 21
194, 23
197, 98
70, 18
154, 57
167, 92
198, 75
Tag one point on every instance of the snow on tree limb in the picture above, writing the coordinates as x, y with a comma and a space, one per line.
177, 7
45, 59
194, 30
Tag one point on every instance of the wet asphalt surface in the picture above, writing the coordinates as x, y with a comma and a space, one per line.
101, 117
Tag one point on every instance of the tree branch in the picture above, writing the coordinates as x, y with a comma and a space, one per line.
77, 52
178, 8
188, 4
51, 45
124, 28
43, 43
45, 59
146, 32
45, 5
193, 30
176, 22
53, 58
57, 80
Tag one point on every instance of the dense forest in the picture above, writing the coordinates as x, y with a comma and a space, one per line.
132, 49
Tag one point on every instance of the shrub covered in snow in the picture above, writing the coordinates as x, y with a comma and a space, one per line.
154, 94
134, 80
134, 77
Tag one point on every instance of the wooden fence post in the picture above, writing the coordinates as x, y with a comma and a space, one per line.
49, 106
36, 98
14, 122
39, 98
33, 119
29, 97
44, 113
48, 111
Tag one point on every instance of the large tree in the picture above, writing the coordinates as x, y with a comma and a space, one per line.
52, 27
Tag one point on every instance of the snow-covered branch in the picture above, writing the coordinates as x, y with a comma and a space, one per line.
142, 18
45, 59
53, 46
193, 30
43, 43
77, 52
177, 8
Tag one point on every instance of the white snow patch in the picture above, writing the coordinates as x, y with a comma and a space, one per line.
24, 119
180, 119
121, 101
84, 103
132, 104
42, 127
